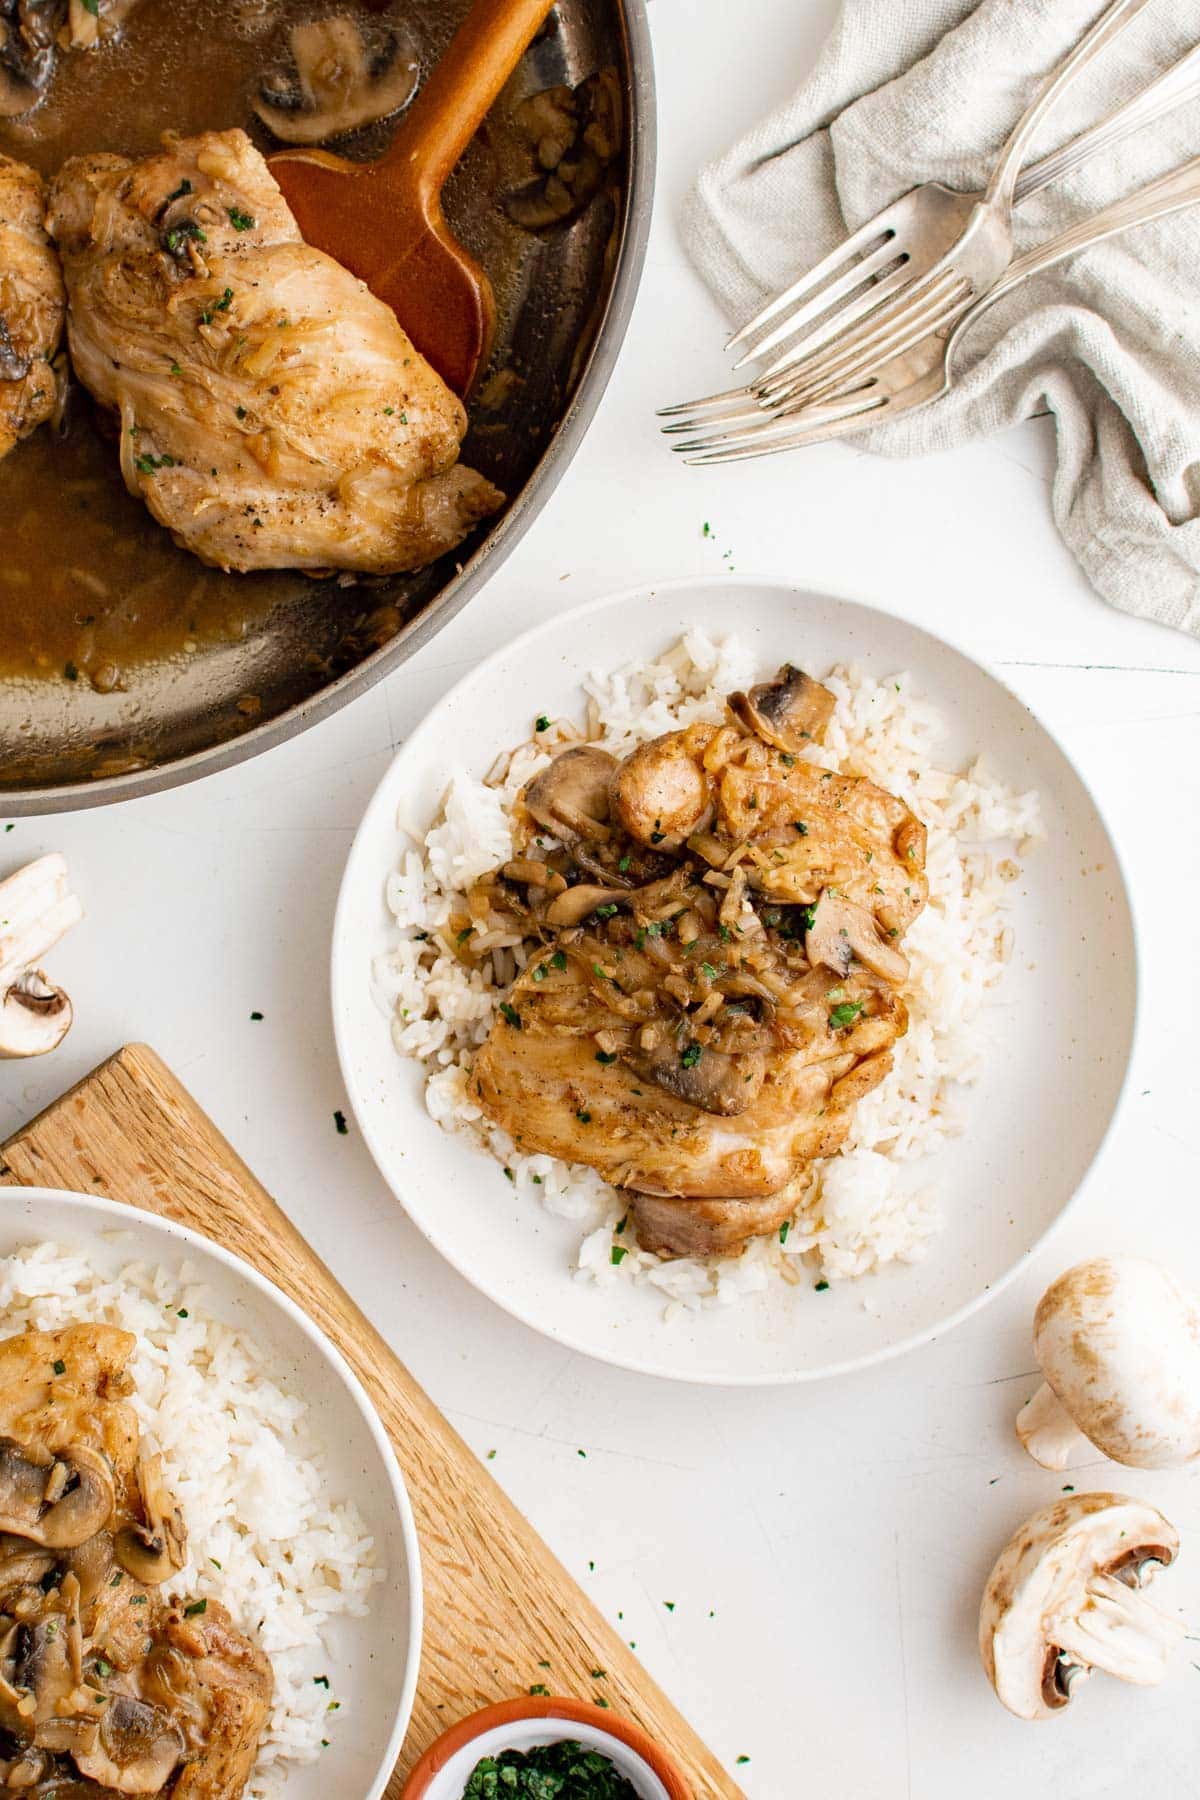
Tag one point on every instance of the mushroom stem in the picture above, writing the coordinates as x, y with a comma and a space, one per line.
1119, 1630
1049, 1433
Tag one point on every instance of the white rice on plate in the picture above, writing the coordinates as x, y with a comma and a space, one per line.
265, 1536
866, 1206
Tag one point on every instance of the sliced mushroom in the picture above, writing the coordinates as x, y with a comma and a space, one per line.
790, 712
37, 908
1118, 1340
91, 22
41, 1671
570, 798
1063, 1599
22, 1565
338, 86
156, 1548
843, 932
575, 134
709, 1079
573, 905
137, 1747
27, 31
661, 793
56, 1500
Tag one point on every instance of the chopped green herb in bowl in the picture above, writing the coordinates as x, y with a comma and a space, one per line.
562, 1771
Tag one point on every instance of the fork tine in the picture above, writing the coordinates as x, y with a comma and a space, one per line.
714, 400
935, 304
869, 270
730, 416
883, 294
874, 232
796, 439
772, 425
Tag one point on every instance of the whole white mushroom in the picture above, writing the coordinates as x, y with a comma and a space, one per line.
1118, 1340
1064, 1598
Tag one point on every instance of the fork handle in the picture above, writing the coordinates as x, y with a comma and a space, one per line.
1111, 22
1180, 83
1169, 194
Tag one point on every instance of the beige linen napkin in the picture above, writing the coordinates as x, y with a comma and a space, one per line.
916, 90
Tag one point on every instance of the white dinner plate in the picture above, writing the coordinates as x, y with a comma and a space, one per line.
1062, 1025
374, 1659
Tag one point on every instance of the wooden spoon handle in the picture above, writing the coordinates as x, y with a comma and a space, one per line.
453, 103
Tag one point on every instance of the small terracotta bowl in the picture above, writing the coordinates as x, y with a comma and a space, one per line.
443, 1771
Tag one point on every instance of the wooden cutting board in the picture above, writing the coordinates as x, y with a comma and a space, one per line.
497, 1603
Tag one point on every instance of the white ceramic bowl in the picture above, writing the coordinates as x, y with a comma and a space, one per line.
376, 1657
1063, 1023
526, 1724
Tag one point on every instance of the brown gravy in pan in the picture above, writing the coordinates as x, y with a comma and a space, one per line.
89, 584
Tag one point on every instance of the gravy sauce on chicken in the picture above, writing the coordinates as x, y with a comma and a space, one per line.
91, 587
110, 1681
716, 968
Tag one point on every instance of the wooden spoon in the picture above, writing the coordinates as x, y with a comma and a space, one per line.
384, 219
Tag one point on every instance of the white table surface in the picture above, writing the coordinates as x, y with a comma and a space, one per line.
824, 1547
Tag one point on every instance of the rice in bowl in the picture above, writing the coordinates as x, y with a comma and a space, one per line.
266, 1537
874, 1202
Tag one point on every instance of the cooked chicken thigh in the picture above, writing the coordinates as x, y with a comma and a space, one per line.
714, 957
273, 413
32, 303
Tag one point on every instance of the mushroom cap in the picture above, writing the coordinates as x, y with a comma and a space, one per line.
136, 1749
1042, 1573
1118, 1340
35, 1016
570, 798
789, 713
340, 86
57, 1499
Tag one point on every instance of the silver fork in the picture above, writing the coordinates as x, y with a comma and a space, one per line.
929, 234
918, 367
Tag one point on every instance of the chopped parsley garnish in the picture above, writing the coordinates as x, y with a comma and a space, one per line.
619, 1253
102, 1668
70, 671
60, 1368
624, 863
822, 1286
845, 1014
196, 1609
221, 305
706, 968
787, 759
148, 465
607, 910
540, 973
539, 1687
606, 1057
801, 828
559, 960
510, 1015
784, 1229
240, 412
241, 221
541, 723
177, 238
691, 1056
321, 1681
256, 1017
339, 1119
585, 1118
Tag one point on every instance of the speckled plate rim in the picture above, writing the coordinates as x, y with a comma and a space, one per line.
347, 966
116, 1216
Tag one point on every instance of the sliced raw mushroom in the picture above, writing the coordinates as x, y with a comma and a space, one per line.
661, 794
338, 86
55, 1499
570, 798
1118, 1340
136, 1750
37, 908
155, 1548
1064, 1598
27, 31
842, 933
789, 713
